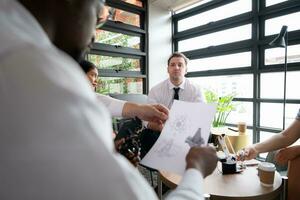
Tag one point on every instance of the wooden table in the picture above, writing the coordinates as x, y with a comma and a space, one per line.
244, 185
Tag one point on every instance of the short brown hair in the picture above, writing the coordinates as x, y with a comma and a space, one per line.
177, 54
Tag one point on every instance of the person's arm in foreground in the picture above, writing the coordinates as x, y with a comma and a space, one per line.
200, 162
278, 141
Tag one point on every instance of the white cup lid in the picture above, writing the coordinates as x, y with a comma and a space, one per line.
266, 166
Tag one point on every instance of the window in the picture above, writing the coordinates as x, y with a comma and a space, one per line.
135, 2
274, 25
275, 119
219, 13
115, 63
273, 2
125, 17
221, 62
232, 55
276, 55
117, 39
217, 38
269, 81
243, 112
241, 85
119, 51
120, 85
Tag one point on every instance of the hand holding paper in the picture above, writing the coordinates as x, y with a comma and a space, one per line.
188, 125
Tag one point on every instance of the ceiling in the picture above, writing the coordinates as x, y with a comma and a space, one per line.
173, 4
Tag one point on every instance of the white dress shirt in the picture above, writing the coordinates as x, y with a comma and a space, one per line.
55, 137
163, 93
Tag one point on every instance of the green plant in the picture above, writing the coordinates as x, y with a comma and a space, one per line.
224, 106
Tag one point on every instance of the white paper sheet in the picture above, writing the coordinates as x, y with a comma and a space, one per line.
188, 125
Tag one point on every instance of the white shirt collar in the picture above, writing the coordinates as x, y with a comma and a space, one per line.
171, 85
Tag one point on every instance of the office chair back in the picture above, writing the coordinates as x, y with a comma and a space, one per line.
135, 98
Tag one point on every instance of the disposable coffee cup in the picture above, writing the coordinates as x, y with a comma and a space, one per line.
266, 172
242, 127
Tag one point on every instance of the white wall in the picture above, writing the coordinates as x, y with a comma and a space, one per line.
160, 43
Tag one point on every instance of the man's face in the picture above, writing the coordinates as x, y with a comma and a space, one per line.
76, 25
177, 69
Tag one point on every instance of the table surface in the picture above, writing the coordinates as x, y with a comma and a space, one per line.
245, 184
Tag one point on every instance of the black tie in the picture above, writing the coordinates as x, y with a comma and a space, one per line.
176, 96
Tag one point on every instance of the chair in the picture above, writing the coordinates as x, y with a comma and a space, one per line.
293, 185
282, 169
135, 98
291, 182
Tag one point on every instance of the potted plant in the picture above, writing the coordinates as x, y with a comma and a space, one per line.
224, 106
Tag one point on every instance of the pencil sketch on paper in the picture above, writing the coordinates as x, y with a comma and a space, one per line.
179, 124
196, 140
167, 148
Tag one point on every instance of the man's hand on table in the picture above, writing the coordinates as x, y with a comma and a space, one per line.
203, 159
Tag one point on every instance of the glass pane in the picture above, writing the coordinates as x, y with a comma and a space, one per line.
124, 16
263, 137
271, 115
291, 111
269, 81
273, 2
242, 85
243, 113
135, 2
274, 25
292, 90
221, 62
118, 39
217, 38
216, 14
250, 135
120, 85
276, 55
115, 63
192, 6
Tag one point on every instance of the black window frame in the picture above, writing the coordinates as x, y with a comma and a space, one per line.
257, 45
126, 52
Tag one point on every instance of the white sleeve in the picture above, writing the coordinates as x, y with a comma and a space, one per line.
114, 106
189, 188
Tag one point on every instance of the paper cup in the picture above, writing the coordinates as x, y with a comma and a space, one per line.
266, 172
242, 127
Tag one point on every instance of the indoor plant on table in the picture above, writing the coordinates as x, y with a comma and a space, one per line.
224, 106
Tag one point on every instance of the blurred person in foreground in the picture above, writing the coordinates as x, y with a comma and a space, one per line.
55, 137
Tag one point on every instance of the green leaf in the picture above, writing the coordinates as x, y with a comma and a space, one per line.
224, 106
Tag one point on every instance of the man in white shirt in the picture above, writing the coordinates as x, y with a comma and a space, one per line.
55, 138
175, 87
